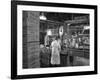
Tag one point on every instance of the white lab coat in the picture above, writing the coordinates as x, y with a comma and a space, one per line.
55, 55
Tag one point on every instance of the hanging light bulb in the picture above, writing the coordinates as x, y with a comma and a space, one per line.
49, 32
42, 17
86, 27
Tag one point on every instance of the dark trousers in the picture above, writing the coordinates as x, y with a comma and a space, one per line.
71, 60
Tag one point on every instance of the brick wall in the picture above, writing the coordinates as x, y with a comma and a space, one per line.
31, 39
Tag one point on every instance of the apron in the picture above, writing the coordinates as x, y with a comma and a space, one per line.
55, 55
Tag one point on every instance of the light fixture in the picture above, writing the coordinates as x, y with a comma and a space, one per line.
42, 16
86, 27
49, 32
68, 24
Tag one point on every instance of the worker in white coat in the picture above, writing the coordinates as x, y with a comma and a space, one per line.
55, 54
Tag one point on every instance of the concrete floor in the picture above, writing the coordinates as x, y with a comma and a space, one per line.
65, 60
79, 61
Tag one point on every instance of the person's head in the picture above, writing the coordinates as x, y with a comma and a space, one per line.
53, 38
56, 38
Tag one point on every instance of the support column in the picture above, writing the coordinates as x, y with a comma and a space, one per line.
31, 39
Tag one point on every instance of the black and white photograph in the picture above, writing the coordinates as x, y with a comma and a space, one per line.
54, 40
